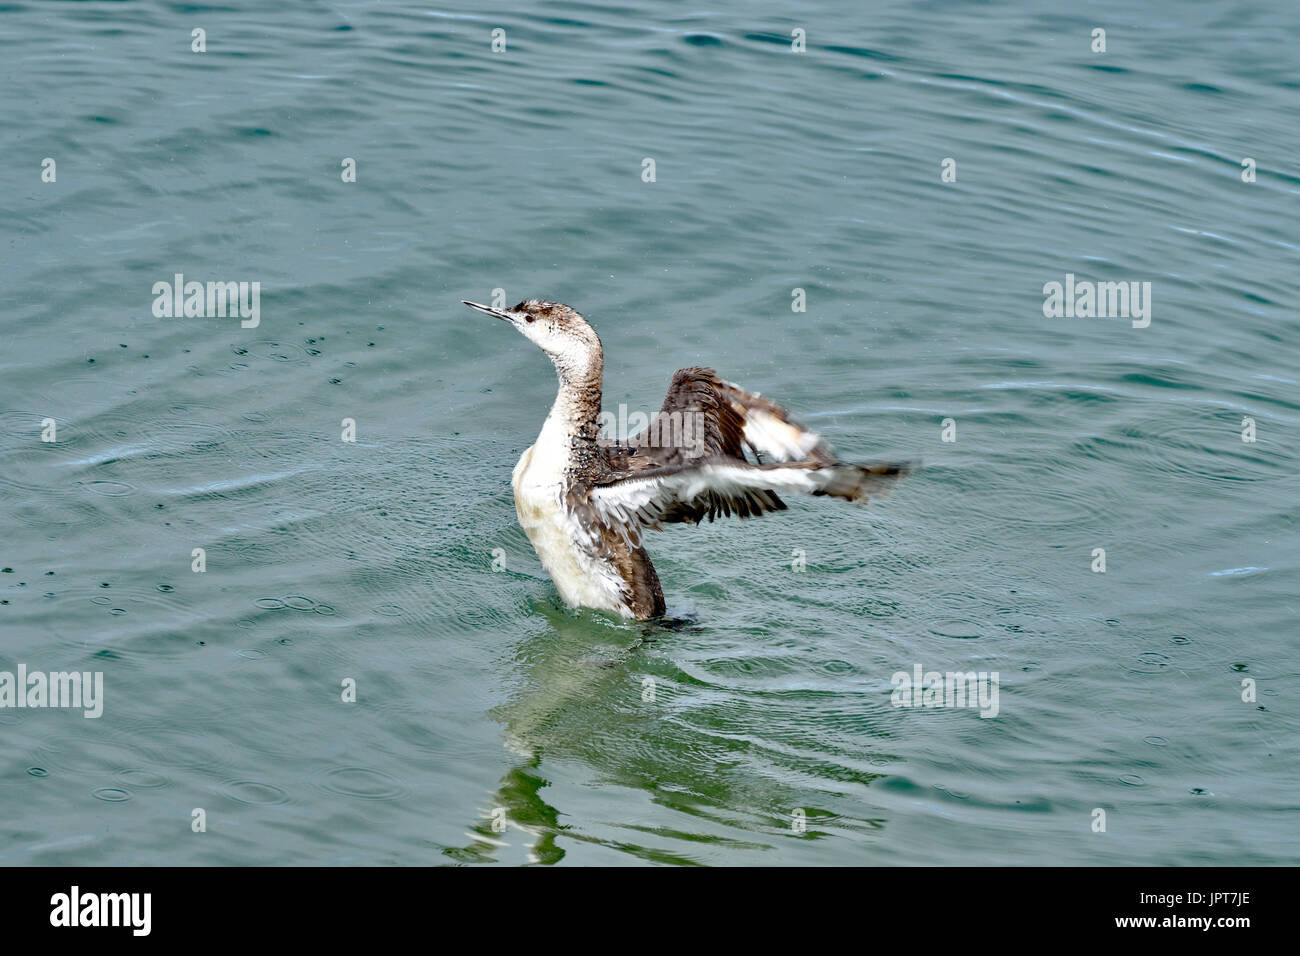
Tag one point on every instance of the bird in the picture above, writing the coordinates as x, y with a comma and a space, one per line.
713, 450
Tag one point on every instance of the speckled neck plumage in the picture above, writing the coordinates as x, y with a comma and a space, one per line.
574, 419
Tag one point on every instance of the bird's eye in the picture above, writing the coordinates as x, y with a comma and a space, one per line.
527, 317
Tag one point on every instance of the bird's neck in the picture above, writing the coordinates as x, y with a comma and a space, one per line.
574, 421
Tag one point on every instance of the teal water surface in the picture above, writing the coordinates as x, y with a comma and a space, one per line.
1162, 691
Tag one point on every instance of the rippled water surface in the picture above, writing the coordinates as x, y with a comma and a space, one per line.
774, 170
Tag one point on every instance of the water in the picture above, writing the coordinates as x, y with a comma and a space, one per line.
372, 561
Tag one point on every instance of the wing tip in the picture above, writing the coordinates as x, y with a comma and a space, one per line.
875, 480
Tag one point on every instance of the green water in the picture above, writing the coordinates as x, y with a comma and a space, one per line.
477, 692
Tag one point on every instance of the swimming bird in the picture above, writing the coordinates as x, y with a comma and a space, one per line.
585, 502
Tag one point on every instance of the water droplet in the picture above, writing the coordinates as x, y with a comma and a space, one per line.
360, 782
1151, 662
143, 779
256, 794
109, 489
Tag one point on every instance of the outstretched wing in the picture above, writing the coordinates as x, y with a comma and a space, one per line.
706, 488
692, 462
704, 416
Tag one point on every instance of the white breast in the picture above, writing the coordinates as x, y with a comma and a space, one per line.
582, 578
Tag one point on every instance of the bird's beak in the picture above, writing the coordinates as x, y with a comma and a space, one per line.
496, 313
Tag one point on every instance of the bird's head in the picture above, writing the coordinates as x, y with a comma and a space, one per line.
557, 330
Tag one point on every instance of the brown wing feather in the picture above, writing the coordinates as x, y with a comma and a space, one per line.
709, 413
733, 422
725, 423
695, 421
